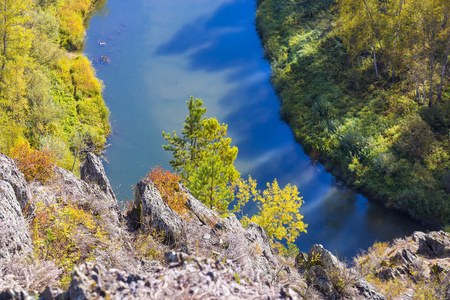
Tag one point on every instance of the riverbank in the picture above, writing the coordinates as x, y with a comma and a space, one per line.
369, 133
51, 99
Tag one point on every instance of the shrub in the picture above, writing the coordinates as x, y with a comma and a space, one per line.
167, 184
34, 164
66, 234
434, 117
415, 140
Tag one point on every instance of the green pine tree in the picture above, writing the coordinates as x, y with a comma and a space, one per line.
204, 157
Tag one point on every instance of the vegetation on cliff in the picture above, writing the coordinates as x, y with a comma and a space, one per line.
364, 87
204, 157
49, 97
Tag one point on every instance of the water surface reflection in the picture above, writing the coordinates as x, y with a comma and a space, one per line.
164, 51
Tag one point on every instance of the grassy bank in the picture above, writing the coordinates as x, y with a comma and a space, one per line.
50, 97
370, 132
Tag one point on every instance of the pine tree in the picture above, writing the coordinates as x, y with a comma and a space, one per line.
204, 157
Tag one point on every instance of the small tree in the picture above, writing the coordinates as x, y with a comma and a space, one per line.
279, 210
204, 157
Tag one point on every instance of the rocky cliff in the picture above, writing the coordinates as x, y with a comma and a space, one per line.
68, 239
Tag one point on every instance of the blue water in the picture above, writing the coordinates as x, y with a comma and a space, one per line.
162, 52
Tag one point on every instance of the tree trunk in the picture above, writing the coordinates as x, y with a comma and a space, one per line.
444, 70
430, 95
5, 20
396, 40
424, 88
417, 91
375, 62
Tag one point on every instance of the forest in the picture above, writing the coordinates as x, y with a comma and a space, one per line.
50, 98
364, 86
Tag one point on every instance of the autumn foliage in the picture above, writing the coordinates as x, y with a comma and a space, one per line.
167, 184
34, 164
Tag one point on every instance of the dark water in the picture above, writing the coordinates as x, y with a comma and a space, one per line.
162, 52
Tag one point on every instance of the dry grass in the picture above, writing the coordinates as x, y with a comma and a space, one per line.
22, 268
414, 279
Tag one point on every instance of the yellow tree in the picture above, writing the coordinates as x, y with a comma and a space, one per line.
279, 213
15, 44
360, 23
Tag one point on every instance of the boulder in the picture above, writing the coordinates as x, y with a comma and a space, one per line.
388, 273
366, 290
402, 258
92, 172
15, 294
319, 279
159, 215
301, 260
205, 215
326, 259
433, 244
14, 235
52, 294
11, 174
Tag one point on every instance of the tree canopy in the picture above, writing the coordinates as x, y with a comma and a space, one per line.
204, 157
48, 96
364, 84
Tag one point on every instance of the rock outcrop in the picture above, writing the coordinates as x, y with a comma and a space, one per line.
92, 172
14, 235
65, 185
433, 244
325, 258
185, 277
367, 291
241, 263
419, 262
11, 174
158, 215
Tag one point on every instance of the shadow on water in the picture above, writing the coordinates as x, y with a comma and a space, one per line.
225, 42
220, 42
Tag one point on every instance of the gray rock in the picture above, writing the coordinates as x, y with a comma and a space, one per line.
52, 294
301, 260
319, 279
11, 174
92, 172
403, 257
80, 192
207, 216
433, 244
417, 236
196, 278
15, 294
159, 215
327, 260
388, 273
81, 283
366, 290
174, 259
14, 235
265, 263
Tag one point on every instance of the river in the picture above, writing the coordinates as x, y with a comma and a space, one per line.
162, 52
